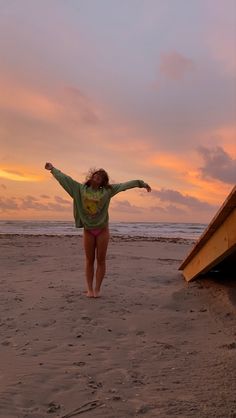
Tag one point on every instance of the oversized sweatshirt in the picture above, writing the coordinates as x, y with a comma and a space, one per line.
90, 206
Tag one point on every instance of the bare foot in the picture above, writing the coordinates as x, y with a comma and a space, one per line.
96, 293
90, 294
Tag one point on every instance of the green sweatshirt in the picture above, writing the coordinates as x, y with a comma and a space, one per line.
91, 206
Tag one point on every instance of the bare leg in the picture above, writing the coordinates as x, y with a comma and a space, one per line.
102, 244
89, 247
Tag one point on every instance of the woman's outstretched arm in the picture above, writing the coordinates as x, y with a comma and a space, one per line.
121, 187
65, 181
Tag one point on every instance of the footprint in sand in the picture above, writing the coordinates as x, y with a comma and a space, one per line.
141, 333
79, 363
86, 318
230, 346
6, 343
53, 407
144, 409
46, 324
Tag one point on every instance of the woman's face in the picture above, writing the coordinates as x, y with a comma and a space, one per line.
96, 180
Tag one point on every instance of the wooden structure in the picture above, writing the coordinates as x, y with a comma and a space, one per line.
217, 244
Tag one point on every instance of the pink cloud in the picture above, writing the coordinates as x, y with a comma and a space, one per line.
80, 106
175, 66
62, 107
220, 35
22, 99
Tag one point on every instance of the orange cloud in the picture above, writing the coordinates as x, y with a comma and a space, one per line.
16, 175
184, 172
67, 106
79, 107
168, 161
227, 136
22, 99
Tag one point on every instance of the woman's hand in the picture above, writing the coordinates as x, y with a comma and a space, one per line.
48, 166
148, 188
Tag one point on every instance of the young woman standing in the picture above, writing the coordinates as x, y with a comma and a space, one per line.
90, 203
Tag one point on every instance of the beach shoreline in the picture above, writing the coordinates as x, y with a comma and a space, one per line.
191, 231
152, 345
113, 238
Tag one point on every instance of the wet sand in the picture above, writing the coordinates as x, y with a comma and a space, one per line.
151, 346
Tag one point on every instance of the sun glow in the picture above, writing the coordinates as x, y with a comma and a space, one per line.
15, 176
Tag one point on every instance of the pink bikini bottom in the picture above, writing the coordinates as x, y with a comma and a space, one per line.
95, 232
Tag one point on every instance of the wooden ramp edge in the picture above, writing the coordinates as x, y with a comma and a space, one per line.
217, 242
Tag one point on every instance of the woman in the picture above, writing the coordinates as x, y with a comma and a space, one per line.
91, 202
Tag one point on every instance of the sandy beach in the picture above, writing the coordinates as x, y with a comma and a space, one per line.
151, 346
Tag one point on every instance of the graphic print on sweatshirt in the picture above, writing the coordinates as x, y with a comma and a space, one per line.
92, 201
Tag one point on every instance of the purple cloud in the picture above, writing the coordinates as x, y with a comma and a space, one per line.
218, 164
8, 204
31, 202
125, 206
173, 196
62, 201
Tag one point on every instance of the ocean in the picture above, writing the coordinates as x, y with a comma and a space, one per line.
190, 231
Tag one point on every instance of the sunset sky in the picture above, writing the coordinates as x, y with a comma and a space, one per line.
143, 88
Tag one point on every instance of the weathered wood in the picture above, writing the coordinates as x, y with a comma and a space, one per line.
217, 242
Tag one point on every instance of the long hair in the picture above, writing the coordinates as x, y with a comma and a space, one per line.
102, 173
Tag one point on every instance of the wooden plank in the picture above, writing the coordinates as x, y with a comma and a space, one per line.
220, 245
217, 242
